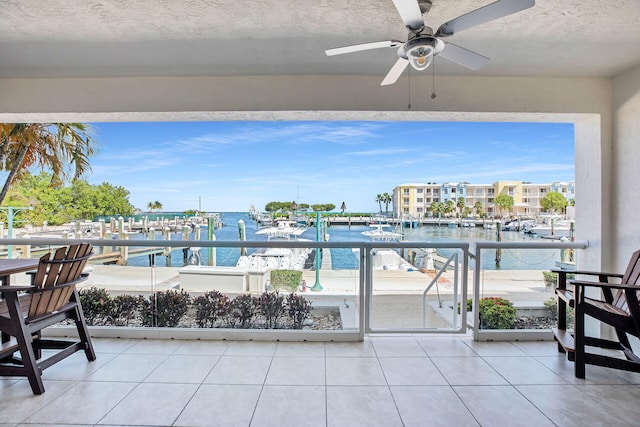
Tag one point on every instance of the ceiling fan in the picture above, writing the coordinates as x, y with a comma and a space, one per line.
423, 44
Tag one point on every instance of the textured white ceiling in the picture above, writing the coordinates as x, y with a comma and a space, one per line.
69, 38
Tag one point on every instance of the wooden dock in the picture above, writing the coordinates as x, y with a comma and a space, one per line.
121, 257
326, 259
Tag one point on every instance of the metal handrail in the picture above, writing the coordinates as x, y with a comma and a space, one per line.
453, 256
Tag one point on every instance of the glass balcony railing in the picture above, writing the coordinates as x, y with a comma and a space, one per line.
303, 290
521, 299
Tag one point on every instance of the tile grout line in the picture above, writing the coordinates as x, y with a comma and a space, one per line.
255, 408
199, 386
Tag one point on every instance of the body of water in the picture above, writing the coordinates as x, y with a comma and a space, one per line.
512, 259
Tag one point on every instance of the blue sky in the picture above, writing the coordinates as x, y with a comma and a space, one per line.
231, 165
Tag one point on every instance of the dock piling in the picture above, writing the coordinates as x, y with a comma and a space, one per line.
498, 239
212, 251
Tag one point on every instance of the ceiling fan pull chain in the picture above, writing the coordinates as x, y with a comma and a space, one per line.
433, 79
409, 94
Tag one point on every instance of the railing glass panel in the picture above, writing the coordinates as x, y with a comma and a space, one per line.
251, 286
516, 288
416, 287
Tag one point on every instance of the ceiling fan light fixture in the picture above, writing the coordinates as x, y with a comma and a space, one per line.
420, 57
421, 50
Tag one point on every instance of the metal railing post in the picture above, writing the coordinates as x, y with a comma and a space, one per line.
476, 293
368, 293
455, 292
362, 304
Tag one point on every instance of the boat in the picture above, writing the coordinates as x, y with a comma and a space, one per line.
388, 259
468, 223
286, 230
377, 233
520, 224
274, 259
379, 220
278, 258
549, 226
558, 230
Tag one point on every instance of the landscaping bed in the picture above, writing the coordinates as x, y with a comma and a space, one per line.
271, 310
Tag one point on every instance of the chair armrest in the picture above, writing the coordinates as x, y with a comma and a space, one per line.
562, 270
588, 273
15, 289
584, 283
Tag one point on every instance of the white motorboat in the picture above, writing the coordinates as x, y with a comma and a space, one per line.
388, 259
558, 230
284, 230
377, 233
549, 226
274, 259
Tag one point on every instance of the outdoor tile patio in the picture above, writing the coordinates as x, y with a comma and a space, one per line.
421, 380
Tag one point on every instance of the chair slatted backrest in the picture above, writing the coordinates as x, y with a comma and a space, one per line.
65, 267
631, 277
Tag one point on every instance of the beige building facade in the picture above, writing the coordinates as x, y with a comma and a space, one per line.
415, 199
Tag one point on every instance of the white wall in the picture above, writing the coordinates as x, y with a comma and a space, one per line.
626, 172
585, 102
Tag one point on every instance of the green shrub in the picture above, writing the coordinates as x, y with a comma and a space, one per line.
96, 305
552, 306
272, 308
166, 309
551, 279
469, 305
242, 310
210, 307
298, 308
171, 307
497, 313
286, 279
126, 309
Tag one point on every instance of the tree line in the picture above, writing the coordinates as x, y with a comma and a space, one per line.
551, 202
58, 205
293, 206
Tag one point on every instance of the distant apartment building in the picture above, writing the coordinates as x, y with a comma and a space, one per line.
415, 199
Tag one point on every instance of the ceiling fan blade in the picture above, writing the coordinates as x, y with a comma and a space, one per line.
395, 72
360, 47
490, 12
464, 57
410, 13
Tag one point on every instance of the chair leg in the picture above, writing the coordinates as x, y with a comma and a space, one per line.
579, 363
83, 332
25, 344
32, 371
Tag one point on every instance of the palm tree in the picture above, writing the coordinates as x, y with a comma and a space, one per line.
460, 204
152, 206
58, 147
386, 199
380, 199
433, 208
478, 208
449, 206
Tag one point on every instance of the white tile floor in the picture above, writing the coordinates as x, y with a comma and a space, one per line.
383, 381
